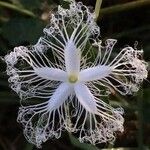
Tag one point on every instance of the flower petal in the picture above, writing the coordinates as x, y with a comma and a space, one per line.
72, 58
94, 73
96, 121
47, 119
32, 73
51, 73
85, 97
128, 71
63, 91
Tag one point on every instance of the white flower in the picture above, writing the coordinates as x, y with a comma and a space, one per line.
73, 88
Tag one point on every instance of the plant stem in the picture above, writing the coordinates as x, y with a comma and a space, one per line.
123, 7
16, 8
97, 8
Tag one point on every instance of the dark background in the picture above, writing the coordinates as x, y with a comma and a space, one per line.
22, 22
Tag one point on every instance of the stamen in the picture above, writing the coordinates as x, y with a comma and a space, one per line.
73, 78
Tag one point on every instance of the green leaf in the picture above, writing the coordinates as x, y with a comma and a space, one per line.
82, 146
16, 2
31, 4
20, 30
17, 8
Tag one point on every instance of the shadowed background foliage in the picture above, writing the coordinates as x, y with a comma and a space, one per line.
22, 22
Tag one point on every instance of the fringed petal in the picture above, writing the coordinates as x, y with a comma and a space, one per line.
32, 74
67, 34
45, 120
72, 58
123, 73
96, 121
51, 74
93, 120
85, 97
62, 93
94, 73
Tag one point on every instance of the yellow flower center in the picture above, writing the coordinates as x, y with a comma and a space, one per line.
73, 78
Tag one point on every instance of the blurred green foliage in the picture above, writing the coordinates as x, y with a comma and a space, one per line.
22, 22
22, 29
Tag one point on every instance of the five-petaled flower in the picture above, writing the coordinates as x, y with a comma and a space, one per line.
60, 70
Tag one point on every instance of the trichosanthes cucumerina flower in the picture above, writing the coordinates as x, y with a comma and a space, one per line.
71, 76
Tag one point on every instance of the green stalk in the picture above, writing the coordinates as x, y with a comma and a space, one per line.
124, 7
97, 8
17, 8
